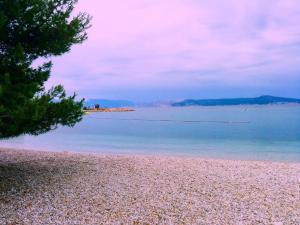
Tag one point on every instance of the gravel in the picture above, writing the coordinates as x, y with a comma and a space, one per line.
72, 188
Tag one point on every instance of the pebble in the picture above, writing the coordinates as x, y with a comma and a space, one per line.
91, 189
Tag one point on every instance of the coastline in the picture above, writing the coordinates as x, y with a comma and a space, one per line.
39, 187
168, 154
119, 109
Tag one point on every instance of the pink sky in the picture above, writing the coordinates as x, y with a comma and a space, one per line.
185, 48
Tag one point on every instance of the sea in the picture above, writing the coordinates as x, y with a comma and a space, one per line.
270, 132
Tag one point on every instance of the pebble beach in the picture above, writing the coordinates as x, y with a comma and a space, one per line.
39, 187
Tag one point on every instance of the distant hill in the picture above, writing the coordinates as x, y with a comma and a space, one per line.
262, 100
108, 103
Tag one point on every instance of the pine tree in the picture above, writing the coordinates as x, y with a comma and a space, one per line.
31, 30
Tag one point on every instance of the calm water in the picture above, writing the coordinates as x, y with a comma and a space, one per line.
239, 132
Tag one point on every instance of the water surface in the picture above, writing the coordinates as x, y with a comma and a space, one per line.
235, 132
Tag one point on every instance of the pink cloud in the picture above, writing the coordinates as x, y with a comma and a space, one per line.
136, 42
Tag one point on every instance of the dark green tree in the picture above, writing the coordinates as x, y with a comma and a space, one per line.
31, 30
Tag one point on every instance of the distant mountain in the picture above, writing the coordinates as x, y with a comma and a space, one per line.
108, 103
262, 100
153, 104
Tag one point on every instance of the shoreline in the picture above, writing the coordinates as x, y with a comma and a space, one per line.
39, 187
111, 152
115, 109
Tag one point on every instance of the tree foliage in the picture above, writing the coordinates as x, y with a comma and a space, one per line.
30, 30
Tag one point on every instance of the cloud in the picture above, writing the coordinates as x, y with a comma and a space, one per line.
152, 43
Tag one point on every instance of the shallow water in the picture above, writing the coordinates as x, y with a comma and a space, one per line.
235, 132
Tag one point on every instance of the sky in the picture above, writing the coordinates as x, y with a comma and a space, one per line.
146, 50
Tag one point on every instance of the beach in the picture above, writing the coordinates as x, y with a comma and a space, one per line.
39, 187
